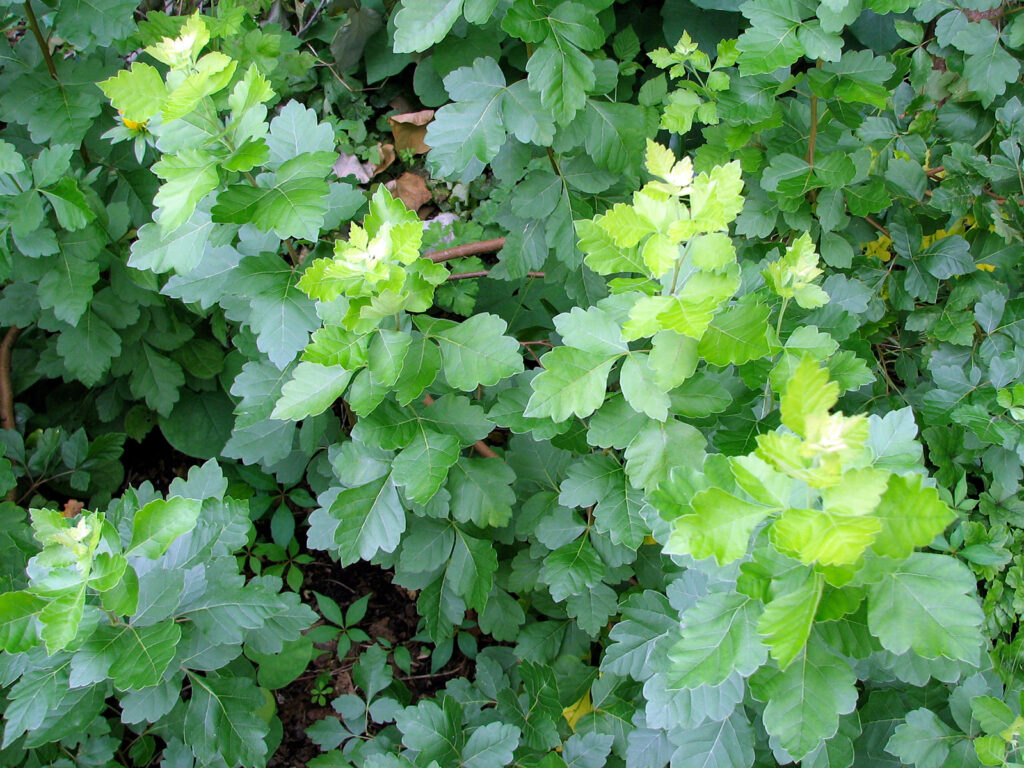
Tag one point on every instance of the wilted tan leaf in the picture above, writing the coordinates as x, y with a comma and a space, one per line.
72, 507
351, 165
387, 157
410, 130
411, 190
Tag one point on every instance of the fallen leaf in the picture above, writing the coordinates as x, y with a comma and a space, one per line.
411, 190
387, 157
351, 165
72, 507
410, 130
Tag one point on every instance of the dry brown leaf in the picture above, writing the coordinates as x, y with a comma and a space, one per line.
387, 157
410, 130
351, 165
411, 190
72, 507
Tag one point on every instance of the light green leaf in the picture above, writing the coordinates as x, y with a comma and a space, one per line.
471, 567
422, 466
738, 335
490, 746
787, 620
912, 515
370, 519
188, 177
719, 637
805, 701
311, 391
420, 24
727, 743
138, 92
572, 382
927, 604
720, 525
660, 446
221, 722
476, 352
159, 523
17, 621
638, 383
572, 569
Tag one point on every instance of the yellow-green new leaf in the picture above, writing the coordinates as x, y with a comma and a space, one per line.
720, 526
912, 514
787, 620
159, 523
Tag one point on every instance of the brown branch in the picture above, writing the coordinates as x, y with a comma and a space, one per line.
37, 33
484, 273
469, 249
481, 447
878, 226
6, 389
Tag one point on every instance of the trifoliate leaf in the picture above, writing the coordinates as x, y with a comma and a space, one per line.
481, 491
221, 721
572, 568
738, 335
422, 466
562, 75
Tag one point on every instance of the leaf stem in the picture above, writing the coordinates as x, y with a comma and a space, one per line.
37, 33
468, 249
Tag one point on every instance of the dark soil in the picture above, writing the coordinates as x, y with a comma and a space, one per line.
391, 615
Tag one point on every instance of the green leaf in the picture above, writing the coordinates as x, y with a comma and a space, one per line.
67, 287
88, 348
291, 204
17, 621
481, 491
562, 75
592, 608
658, 447
805, 701
719, 636
364, 520
992, 714
720, 525
138, 92
727, 743
637, 381
468, 134
69, 203
771, 41
159, 523
420, 24
188, 177
912, 515
132, 657
312, 390
614, 134
738, 335
471, 568
180, 249
423, 464
83, 23
988, 67
296, 131
476, 352
572, 569
572, 382
599, 481
221, 721
490, 746
927, 604
922, 740
787, 620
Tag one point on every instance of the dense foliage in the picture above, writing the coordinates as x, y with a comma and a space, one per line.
713, 459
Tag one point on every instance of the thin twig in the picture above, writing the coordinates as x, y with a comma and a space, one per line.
481, 447
468, 249
43, 45
878, 226
484, 273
